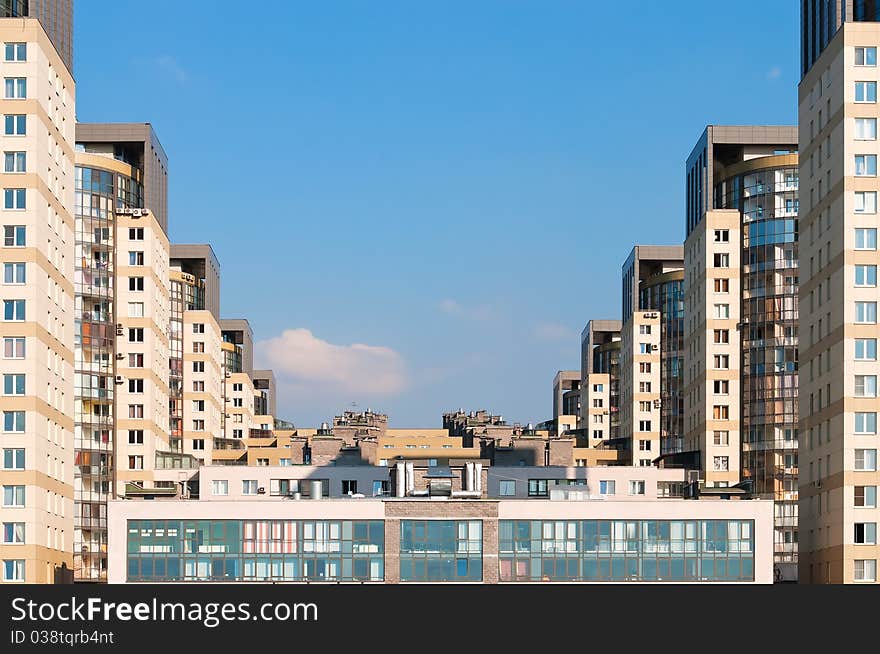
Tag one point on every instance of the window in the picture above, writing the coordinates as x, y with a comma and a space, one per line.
538, 488
219, 487
15, 52
13, 459
637, 487
135, 436
720, 412
198, 387
13, 496
135, 385
598, 403
13, 384
237, 388
13, 310
866, 349
135, 360
866, 275
135, 283
866, 56
645, 405
135, 411
721, 361
249, 487
507, 488
14, 273
199, 347
866, 421
198, 444
644, 348
722, 285
721, 463
198, 405
865, 496
866, 312
14, 198
14, 162
865, 533
14, 236
198, 366
721, 260
135, 233
866, 165
866, 129
721, 336
198, 328
349, 486
13, 570
136, 462
598, 388
865, 570
722, 236
866, 460
866, 91
644, 425
644, 366
866, 238
136, 335
720, 437
644, 387
866, 385
286, 462
865, 202
721, 387
722, 311
15, 124
135, 309
198, 425
644, 446
644, 329
237, 433
135, 258
13, 533
15, 88
13, 421
598, 433
607, 487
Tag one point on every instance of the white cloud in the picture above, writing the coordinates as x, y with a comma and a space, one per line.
475, 312
169, 64
551, 331
301, 359
774, 73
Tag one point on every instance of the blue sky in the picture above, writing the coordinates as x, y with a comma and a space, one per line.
419, 205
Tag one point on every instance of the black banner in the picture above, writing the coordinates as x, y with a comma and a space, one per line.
86, 618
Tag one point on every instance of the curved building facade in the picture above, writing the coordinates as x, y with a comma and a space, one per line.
765, 191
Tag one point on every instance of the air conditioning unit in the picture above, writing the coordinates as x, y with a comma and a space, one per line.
656, 404
261, 490
120, 379
120, 357
655, 347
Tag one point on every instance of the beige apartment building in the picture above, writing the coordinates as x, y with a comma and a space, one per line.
838, 372
142, 352
37, 325
640, 387
712, 347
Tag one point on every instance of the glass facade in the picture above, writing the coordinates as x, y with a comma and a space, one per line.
441, 550
626, 550
97, 194
256, 550
187, 294
606, 360
768, 200
666, 295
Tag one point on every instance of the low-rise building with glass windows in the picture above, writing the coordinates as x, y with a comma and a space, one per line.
607, 529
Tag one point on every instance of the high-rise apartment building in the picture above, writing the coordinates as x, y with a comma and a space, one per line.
742, 274
37, 296
838, 370
600, 355
652, 281
121, 340
640, 388
56, 17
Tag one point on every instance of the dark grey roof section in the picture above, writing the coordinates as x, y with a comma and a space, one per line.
238, 331
264, 380
198, 259
645, 261
141, 139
